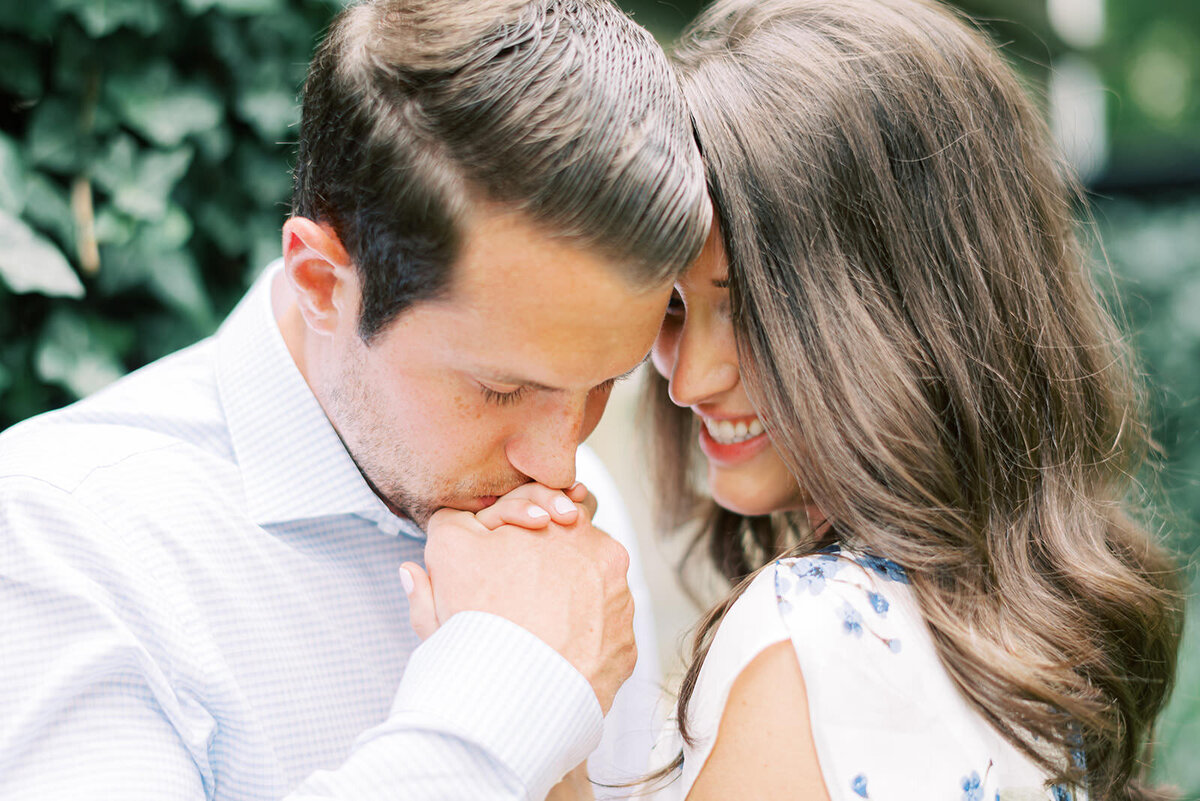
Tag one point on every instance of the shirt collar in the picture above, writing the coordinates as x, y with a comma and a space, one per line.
293, 464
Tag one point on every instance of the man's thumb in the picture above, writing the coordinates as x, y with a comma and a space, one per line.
421, 612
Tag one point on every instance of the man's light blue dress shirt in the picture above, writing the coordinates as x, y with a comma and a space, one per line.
199, 600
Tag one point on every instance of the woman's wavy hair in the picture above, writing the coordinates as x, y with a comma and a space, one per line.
919, 330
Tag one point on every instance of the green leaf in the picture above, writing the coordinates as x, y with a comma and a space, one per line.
34, 20
157, 258
164, 109
156, 176
264, 171
31, 263
214, 143
102, 17
114, 227
140, 184
216, 220
46, 206
271, 111
12, 177
52, 140
20, 72
75, 356
176, 281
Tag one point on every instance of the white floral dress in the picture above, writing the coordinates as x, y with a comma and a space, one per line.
887, 721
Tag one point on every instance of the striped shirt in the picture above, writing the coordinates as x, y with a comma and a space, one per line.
199, 600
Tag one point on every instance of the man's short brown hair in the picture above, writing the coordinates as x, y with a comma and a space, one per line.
564, 110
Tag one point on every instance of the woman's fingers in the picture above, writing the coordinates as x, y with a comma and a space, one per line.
583, 496
516, 505
421, 612
514, 512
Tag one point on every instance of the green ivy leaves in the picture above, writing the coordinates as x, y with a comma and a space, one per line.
144, 175
157, 104
139, 182
31, 263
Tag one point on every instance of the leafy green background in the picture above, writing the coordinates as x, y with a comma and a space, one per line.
145, 148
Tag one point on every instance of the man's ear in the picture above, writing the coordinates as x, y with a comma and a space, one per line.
320, 272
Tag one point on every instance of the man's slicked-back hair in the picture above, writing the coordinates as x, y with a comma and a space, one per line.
563, 110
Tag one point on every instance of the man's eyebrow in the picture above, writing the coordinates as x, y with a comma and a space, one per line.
517, 381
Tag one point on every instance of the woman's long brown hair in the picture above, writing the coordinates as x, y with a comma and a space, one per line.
920, 333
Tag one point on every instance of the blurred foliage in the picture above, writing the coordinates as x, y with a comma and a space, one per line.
1152, 247
144, 174
143, 177
1150, 59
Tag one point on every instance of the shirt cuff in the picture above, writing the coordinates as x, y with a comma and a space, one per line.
495, 684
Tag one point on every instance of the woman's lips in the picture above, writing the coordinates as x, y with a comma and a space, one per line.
726, 453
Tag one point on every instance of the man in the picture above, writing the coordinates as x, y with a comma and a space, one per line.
198, 566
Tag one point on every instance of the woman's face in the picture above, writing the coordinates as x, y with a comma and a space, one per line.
696, 352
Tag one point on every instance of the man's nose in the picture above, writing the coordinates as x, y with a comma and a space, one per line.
544, 449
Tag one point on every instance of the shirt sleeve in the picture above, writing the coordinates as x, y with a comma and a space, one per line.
87, 705
92, 705
485, 710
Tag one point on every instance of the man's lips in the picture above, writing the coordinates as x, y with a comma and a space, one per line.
473, 505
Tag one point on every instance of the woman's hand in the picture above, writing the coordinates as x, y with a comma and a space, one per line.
534, 506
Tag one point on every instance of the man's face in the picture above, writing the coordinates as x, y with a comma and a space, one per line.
463, 398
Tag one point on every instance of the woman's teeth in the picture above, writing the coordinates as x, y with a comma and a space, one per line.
728, 433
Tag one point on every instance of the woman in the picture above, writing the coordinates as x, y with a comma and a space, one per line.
919, 431
894, 362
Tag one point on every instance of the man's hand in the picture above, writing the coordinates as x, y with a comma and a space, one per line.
564, 583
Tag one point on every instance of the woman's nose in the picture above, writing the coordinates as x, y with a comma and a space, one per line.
705, 365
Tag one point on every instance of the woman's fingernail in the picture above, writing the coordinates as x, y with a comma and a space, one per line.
564, 505
537, 512
406, 581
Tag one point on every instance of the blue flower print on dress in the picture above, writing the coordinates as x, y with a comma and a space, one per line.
859, 785
972, 787
879, 603
884, 567
812, 573
1059, 792
852, 621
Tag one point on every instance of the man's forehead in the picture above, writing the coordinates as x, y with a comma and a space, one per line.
499, 242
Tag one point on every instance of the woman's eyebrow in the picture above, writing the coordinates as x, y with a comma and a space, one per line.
721, 283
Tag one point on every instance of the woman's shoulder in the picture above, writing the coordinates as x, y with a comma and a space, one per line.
887, 721
852, 605
837, 605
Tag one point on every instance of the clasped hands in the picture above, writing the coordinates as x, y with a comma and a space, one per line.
534, 558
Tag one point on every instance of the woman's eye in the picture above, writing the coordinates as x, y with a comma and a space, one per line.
499, 398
